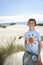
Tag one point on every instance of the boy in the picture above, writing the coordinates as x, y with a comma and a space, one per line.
32, 44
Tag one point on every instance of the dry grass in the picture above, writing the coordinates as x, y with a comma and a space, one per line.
11, 48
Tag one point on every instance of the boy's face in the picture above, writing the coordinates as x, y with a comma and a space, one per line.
31, 25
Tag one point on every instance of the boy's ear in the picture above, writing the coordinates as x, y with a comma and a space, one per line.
27, 24
35, 23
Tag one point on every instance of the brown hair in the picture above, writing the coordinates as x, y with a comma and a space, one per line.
31, 20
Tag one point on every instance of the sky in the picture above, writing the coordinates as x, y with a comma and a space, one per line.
20, 10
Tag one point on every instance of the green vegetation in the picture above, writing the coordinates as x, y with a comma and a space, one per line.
42, 38
42, 45
15, 23
12, 23
2, 26
20, 37
39, 24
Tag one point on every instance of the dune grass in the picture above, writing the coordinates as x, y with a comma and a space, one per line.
11, 48
2, 26
41, 38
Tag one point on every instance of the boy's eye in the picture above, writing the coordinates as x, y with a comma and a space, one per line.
31, 23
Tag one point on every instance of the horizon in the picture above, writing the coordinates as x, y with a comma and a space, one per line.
8, 23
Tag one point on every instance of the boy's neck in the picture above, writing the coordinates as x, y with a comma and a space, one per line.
31, 29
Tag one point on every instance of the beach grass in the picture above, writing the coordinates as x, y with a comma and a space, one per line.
40, 24
20, 37
12, 23
10, 49
41, 38
3, 26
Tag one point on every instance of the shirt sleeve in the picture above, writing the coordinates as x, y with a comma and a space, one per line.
39, 37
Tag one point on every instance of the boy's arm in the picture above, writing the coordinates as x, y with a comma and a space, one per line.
25, 44
39, 50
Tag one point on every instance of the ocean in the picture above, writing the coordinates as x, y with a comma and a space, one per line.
11, 23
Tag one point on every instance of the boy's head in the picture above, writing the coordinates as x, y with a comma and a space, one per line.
31, 23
